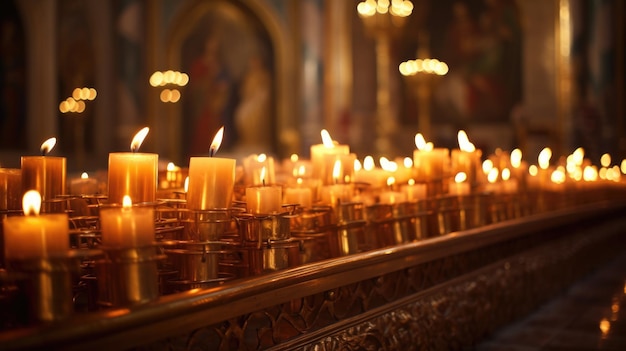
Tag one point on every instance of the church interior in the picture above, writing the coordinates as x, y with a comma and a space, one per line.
312, 174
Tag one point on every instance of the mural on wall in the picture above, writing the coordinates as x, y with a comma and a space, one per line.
481, 42
12, 78
229, 60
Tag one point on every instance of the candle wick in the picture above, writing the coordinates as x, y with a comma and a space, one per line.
211, 152
263, 181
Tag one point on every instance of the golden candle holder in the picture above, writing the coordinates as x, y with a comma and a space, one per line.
460, 212
351, 229
127, 276
196, 249
44, 287
316, 227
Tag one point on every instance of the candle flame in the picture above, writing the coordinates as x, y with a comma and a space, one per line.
186, 186
31, 203
605, 160
464, 143
47, 145
358, 166
171, 167
294, 157
326, 139
368, 163
301, 170
516, 158
127, 202
299, 181
138, 139
261, 158
492, 176
408, 162
84, 175
336, 170
533, 170
217, 141
544, 158
262, 176
420, 142
506, 174
579, 156
411, 182
460, 177
487, 166
391, 181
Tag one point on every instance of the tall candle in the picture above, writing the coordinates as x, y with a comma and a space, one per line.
211, 179
46, 174
127, 226
10, 188
320, 153
35, 236
466, 159
429, 163
133, 173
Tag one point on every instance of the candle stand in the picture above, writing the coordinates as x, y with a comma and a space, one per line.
461, 212
317, 228
44, 288
351, 232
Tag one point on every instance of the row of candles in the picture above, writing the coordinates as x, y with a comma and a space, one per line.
333, 175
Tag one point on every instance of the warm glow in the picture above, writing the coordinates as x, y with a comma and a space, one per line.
368, 163
464, 143
391, 181
558, 176
623, 166
516, 158
460, 177
326, 139
171, 167
138, 139
84, 175
533, 170
337, 170
605, 326
578, 156
544, 158
506, 174
605, 160
420, 142
186, 186
411, 182
492, 176
388, 165
156, 79
487, 166
299, 181
217, 141
47, 145
602, 173
294, 157
301, 170
408, 162
261, 158
357, 165
127, 202
262, 176
31, 203
590, 174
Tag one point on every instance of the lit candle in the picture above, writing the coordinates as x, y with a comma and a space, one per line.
35, 236
368, 173
10, 188
133, 173
336, 193
459, 186
264, 199
414, 191
391, 197
323, 156
46, 174
429, 163
300, 195
211, 179
83, 185
253, 165
466, 159
127, 226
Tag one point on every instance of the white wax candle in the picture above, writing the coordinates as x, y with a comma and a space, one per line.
127, 226
319, 153
211, 182
264, 199
35, 236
